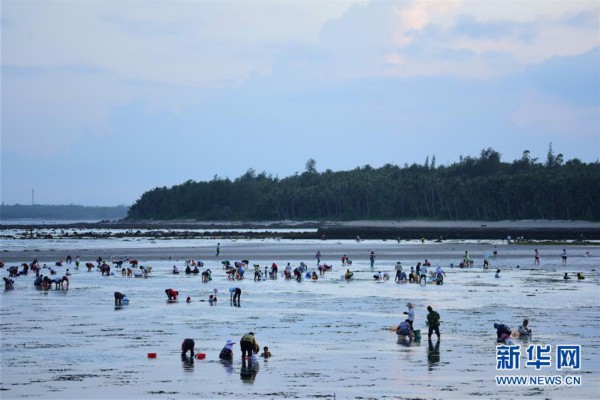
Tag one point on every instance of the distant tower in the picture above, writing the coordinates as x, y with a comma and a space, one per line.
32, 202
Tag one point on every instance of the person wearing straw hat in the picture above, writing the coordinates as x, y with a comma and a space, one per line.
227, 351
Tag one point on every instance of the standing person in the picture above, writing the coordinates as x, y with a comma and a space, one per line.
235, 293
423, 276
398, 269
411, 315
248, 345
344, 258
536, 257
257, 273
318, 257
372, 259
273, 271
218, 249
564, 257
466, 259
439, 275
433, 320
287, 272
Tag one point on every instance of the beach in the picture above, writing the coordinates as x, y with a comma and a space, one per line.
330, 338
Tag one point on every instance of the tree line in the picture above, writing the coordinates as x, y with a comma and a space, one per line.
481, 188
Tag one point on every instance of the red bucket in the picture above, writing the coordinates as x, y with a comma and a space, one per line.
200, 356
151, 355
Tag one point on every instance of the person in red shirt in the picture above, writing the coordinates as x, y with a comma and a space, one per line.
171, 294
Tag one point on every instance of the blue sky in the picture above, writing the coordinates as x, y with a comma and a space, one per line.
104, 100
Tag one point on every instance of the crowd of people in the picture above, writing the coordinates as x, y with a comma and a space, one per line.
422, 273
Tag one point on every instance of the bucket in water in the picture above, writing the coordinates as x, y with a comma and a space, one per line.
417, 334
200, 356
151, 355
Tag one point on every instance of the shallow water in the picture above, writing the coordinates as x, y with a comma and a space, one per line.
328, 338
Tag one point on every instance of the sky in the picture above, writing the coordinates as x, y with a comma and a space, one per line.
102, 101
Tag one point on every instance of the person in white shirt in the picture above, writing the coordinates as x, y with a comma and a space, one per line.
398, 271
439, 275
423, 274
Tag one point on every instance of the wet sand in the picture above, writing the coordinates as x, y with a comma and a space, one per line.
329, 338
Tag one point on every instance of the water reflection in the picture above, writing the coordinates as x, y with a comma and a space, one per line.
228, 365
249, 370
408, 342
187, 363
433, 354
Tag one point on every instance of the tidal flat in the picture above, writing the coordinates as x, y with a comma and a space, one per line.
330, 338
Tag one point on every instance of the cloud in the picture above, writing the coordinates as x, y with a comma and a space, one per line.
495, 41
186, 43
67, 66
194, 89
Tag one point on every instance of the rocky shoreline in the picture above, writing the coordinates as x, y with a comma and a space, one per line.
393, 230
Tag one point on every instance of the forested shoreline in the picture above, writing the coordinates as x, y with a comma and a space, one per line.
474, 188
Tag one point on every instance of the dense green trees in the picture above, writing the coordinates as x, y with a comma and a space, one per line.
483, 188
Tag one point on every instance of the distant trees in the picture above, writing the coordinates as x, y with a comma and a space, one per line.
483, 188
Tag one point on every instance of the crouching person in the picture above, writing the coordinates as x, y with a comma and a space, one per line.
119, 298
187, 345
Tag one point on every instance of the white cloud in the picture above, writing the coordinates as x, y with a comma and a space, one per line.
67, 66
189, 43
526, 33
